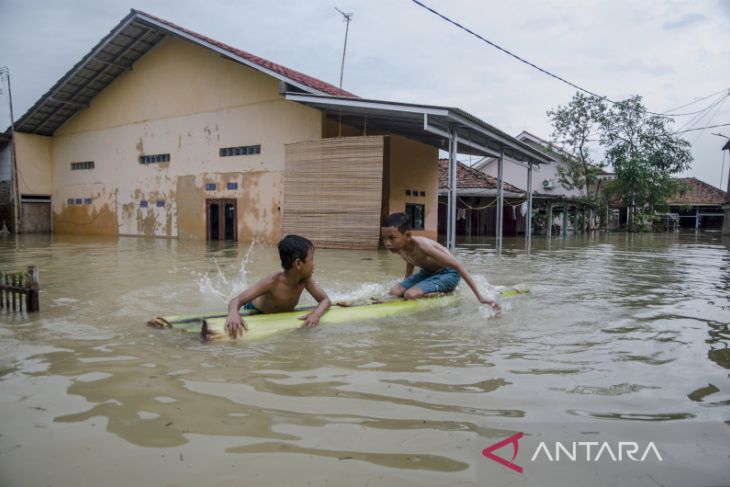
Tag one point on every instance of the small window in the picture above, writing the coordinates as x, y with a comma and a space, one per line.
70, 201
244, 150
160, 203
143, 204
154, 158
87, 201
210, 186
416, 212
423, 193
79, 201
232, 185
78, 166
408, 192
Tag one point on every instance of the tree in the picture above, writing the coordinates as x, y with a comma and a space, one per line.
638, 145
575, 126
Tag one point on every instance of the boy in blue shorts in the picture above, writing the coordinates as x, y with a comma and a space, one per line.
439, 270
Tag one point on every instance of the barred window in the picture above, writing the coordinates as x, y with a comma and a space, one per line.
154, 158
78, 166
244, 150
210, 186
87, 201
160, 203
143, 204
232, 186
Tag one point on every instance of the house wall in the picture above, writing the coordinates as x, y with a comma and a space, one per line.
186, 101
35, 169
414, 166
517, 176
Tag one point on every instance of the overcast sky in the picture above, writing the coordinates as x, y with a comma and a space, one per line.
669, 52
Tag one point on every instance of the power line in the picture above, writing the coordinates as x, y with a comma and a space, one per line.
702, 128
544, 71
724, 90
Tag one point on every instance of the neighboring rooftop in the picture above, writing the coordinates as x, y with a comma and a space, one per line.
700, 193
117, 52
470, 178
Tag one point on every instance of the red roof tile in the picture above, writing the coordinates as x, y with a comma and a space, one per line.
700, 193
265, 63
470, 178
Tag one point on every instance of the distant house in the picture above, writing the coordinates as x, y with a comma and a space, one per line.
476, 205
547, 191
700, 207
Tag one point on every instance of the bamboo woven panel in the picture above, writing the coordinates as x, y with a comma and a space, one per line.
333, 191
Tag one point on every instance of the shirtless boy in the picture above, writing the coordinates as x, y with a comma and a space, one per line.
439, 270
281, 291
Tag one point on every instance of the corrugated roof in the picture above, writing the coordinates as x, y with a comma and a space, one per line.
117, 52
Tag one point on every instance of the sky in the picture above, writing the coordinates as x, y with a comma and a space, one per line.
670, 52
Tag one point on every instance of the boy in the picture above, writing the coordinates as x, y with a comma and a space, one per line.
281, 291
439, 272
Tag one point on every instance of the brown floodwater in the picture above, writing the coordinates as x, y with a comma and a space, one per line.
622, 338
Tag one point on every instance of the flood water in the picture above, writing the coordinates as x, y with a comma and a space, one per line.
623, 338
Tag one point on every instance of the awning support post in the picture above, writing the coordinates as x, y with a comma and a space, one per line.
451, 211
500, 199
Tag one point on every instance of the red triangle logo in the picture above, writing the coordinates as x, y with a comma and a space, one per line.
487, 452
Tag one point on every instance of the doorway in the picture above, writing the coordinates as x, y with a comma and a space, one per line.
221, 219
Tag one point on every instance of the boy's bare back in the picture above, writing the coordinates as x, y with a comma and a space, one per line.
418, 256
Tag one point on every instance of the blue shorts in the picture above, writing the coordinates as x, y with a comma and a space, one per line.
250, 307
443, 281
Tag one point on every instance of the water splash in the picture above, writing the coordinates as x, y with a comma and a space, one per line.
220, 285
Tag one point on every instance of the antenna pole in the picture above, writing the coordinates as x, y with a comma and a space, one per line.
347, 17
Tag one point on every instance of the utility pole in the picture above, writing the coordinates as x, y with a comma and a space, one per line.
4, 70
347, 17
726, 206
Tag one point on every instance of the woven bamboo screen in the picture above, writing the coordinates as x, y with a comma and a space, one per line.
333, 191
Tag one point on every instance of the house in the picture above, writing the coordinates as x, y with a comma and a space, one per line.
547, 191
161, 131
700, 207
476, 209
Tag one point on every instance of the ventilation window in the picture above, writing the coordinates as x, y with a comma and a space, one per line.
160, 203
143, 204
232, 185
78, 166
87, 201
79, 201
423, 193
210, 186
154, 158
408, 192
244, 150
70, 201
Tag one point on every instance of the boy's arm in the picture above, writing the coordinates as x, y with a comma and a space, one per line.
312, 319
443, 257
234, 324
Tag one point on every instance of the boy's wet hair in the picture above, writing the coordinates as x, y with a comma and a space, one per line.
293, 247
401, 221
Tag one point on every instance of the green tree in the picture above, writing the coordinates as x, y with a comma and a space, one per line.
575, 127
638, 145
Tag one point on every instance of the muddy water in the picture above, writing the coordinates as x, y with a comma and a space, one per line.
622, 339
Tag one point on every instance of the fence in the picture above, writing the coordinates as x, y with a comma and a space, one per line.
17, 287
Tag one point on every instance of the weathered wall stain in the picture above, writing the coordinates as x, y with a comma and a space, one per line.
86, 220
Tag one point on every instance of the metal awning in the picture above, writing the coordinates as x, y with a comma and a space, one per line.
428, 124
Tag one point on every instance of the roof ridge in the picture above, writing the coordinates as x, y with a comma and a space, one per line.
295, 75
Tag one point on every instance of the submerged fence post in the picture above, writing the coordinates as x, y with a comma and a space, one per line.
16, 285
34, 285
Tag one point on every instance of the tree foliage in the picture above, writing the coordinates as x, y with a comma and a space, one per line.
638, 145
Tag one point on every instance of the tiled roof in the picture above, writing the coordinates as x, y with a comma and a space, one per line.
700, 193
470, 178
265, 63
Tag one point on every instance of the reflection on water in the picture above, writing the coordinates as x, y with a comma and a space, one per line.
617, 330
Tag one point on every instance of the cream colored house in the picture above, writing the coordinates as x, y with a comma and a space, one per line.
160, 131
